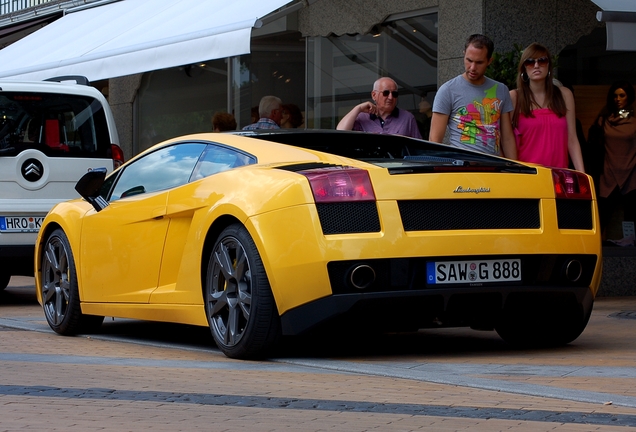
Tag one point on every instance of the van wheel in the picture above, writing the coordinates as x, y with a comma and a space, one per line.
547, 331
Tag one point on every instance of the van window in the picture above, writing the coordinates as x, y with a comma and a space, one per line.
59, 125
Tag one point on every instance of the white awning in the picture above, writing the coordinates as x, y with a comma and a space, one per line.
133, 36
620, 20
616, 5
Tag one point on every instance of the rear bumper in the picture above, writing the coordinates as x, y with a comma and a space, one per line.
445, 307
299, 258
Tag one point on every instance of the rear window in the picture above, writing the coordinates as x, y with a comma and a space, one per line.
397, 153
59, 125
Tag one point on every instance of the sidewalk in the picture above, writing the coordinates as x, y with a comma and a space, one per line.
455, 379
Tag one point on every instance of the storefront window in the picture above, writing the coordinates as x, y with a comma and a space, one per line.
275, 67
183, 100
179, 101
324, 77
341, 70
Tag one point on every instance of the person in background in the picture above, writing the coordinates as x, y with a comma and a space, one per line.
617, 184
254, 114
423, 117
292, 117
382, 115
544, 119
223, 121
474, 108
270, 112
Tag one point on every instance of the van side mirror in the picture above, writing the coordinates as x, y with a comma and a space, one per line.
89, 185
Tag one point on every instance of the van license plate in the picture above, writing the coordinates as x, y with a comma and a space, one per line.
20, 224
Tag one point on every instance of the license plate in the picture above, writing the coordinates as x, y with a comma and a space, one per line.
24, 224
473, 272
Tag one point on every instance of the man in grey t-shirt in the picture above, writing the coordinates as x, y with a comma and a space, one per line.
475, 109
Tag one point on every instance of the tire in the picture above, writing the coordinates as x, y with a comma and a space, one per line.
5, 277
543, 329
60, 295
240, 307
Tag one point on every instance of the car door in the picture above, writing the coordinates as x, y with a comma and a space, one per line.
182, 204
122, 245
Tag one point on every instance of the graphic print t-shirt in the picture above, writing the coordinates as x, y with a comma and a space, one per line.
474, 113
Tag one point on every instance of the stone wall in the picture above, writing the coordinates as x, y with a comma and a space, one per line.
121, 97
619, 272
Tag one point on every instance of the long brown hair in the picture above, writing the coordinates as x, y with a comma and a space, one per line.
525, 99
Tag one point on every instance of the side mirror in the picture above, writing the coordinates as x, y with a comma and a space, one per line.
89, 185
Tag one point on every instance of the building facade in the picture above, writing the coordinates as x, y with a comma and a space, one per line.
325, 57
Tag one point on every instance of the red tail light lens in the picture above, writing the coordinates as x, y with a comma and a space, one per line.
117, 154
340, 184
571, 184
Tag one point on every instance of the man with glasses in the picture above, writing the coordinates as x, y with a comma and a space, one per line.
270, 109
382, 115
473, 108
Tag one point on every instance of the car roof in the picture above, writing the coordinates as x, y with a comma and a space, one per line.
266, 152
280, 145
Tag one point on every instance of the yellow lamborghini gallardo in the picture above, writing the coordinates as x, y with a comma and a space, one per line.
269, 233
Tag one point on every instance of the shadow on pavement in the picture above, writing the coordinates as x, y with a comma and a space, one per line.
159, 332
335, 342
433, 343
22, 295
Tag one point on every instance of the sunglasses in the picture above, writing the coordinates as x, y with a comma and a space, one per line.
542, 61
386, 93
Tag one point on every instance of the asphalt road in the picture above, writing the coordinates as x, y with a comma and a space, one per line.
137, 375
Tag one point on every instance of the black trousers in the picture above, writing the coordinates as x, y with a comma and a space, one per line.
607, 206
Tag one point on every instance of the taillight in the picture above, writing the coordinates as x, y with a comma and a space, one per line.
340, 184
571, 184
117, 154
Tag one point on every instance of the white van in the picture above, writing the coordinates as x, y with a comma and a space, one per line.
51, 133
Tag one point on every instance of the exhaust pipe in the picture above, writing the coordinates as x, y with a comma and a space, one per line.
362, 276
573, 270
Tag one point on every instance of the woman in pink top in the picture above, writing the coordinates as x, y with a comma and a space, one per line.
543, 119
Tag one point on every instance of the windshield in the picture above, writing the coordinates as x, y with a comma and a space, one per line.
57, 124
